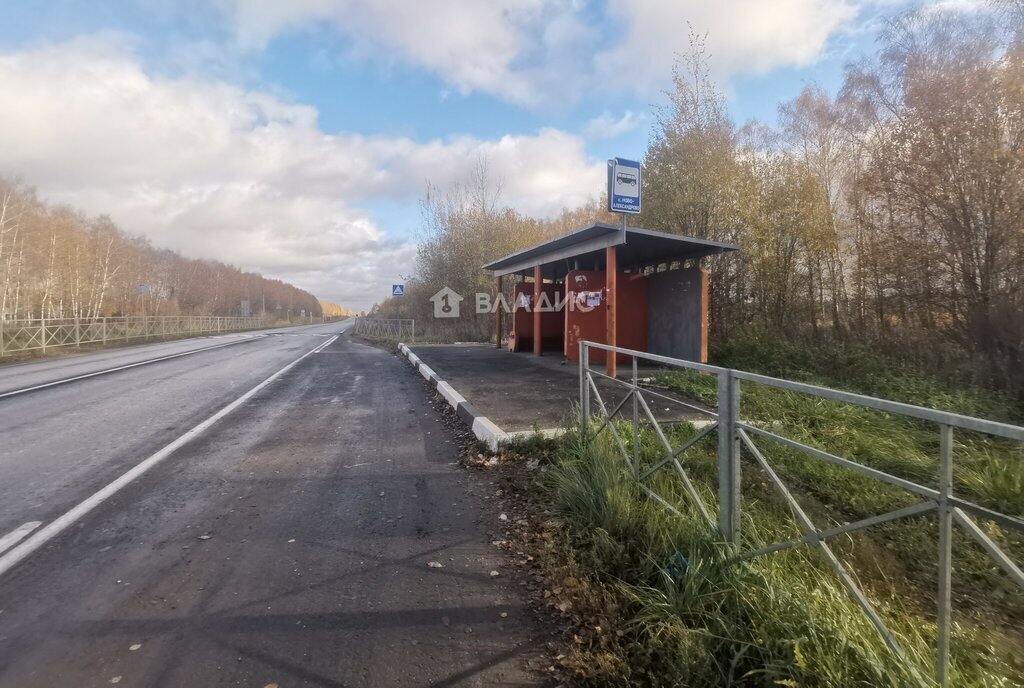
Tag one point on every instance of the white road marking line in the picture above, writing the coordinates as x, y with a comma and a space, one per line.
15, 536
56, 527
124, 367
324, 345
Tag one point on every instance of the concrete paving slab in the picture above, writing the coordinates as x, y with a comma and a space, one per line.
520, 392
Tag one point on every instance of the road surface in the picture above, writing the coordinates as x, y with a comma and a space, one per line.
286, 542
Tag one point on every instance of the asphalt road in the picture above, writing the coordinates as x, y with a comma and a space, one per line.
18, 377
285, 543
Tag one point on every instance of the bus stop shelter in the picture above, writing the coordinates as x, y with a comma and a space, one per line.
629, 287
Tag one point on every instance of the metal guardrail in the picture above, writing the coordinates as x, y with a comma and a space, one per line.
734, 435
385, 328
46, 333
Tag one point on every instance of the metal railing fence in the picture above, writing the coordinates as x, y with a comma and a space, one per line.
385, 328
735, 435
47, 333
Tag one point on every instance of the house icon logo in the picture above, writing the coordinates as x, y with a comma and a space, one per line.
446, 303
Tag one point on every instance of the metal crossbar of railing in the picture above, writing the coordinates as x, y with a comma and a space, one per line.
735, 435
47, 333
385, 328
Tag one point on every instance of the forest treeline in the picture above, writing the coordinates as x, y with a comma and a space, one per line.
57, 263
464, 227
334, 310
889, 214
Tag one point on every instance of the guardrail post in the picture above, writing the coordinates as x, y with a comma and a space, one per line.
636, 422
584, 389
42, 332
728, 457
1, 334
103, 329
945, 554
78, 333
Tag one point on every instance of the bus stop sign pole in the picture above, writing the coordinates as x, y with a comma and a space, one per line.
623, 198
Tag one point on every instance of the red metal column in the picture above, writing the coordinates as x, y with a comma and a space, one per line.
497, 313
705, 294
611, 283
538, 282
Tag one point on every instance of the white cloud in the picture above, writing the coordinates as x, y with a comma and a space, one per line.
217, 171
957, 6
607, 126
507, 47
545, 53
743, 36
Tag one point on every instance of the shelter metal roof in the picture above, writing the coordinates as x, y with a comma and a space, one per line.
585, 249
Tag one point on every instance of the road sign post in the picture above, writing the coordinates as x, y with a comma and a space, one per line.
396, 291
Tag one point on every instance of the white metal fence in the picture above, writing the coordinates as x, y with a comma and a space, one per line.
385, 328
735, 436
47, 333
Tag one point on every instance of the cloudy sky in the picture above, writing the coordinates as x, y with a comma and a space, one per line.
295, 137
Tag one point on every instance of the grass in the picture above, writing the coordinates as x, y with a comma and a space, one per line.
986, 469
785, 618
861, 369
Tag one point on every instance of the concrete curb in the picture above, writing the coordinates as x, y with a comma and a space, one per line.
483, 429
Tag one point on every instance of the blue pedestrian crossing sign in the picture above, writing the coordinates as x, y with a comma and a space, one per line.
398, 290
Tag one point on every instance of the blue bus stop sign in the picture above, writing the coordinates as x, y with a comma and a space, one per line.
623, 186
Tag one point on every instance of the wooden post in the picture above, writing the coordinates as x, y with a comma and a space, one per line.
497, 313
538, 282
611, 283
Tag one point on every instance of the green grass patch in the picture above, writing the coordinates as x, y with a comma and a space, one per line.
987, 470
861, 369
785, 618
782, 619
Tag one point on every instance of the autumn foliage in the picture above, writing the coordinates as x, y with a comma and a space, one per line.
57, 263
889, 214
